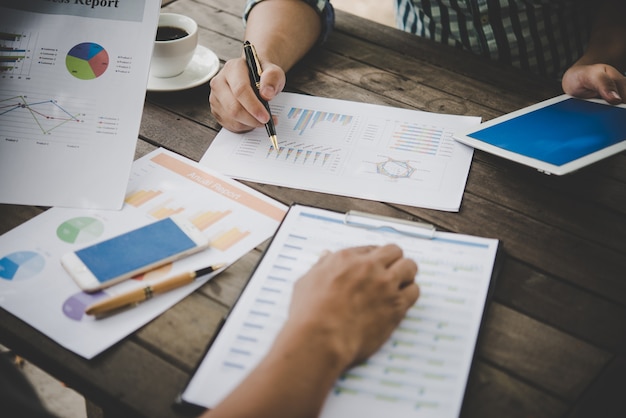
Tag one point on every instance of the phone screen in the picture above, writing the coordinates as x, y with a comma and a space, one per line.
144, 246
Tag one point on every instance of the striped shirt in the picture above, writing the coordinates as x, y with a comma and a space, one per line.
544, 37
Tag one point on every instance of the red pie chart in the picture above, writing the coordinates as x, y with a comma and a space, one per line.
87, 61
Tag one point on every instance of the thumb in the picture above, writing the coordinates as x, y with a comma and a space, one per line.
272, 81
608, 90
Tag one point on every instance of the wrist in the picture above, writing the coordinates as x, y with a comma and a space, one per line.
323, 342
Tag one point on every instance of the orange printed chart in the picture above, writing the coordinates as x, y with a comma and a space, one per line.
87, 61
142, 196
204, 220
226, 240
164, 210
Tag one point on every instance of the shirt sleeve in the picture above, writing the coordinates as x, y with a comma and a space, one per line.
323, 8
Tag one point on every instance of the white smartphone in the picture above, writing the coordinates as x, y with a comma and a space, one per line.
124, 256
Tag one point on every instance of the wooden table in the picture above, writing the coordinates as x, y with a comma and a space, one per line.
554, 340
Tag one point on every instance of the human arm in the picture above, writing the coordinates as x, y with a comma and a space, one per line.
600, 71
282, 31
342, 311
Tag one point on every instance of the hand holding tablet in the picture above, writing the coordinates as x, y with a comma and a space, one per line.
556, 136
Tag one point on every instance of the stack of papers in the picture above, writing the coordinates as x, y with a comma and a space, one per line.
234, 217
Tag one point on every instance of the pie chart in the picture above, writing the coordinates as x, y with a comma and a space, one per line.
87, 61
21, 265
80, 230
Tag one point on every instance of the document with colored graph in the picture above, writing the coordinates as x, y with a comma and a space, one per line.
353, 149
72, 86
234, 217
420, 372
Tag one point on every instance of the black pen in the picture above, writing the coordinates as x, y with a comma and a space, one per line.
254, 69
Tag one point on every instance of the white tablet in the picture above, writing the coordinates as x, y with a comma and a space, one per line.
557, 136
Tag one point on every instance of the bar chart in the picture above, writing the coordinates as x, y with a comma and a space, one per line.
15, 53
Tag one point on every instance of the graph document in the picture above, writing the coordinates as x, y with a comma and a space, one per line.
352, 149
421, 371
72, 86
233, 217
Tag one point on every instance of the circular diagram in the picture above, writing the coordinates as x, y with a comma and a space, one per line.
80, 230
87, 61
21, 265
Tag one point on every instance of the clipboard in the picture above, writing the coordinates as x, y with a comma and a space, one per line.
432, 349
556, 136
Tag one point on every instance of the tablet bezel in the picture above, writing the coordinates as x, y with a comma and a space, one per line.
542, 166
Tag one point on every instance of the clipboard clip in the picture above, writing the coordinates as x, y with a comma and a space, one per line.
381, 223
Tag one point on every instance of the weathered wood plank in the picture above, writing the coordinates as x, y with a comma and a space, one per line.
550, 359
12, 216
493, 393
542, 198
227, 286
175, 132
489, 101
568, 308
461, 62
181, 334
605, 398
407, 89
595, 185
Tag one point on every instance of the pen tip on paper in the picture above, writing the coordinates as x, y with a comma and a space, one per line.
274, 140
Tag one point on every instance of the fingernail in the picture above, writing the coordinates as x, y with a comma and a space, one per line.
267, 91
262, 118
615, 95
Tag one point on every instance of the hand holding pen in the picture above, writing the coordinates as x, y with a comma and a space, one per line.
255, 71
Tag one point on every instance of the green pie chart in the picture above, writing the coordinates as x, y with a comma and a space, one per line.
80, 230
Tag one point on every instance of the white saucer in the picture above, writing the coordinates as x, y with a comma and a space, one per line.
203, 66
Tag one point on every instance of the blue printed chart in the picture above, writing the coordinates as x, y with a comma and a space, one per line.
21, 265
352, 149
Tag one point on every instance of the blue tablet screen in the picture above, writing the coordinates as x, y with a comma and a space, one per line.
559, 133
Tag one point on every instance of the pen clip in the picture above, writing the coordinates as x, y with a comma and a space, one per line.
253, 62
257, 63
385, 223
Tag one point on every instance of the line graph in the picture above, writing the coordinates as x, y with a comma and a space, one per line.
22, 114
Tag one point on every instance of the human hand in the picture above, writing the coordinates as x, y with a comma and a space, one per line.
233, 100
354, 299
595, 80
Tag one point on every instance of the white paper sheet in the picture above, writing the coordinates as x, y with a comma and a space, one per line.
72, 86
353, 149
423, 368
35, 287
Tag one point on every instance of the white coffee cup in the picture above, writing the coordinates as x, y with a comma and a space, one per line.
171, 56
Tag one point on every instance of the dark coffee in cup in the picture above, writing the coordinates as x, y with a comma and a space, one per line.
170, 33
175, 45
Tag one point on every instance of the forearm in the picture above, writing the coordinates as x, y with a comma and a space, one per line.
607, 42
292, 381
283, 31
